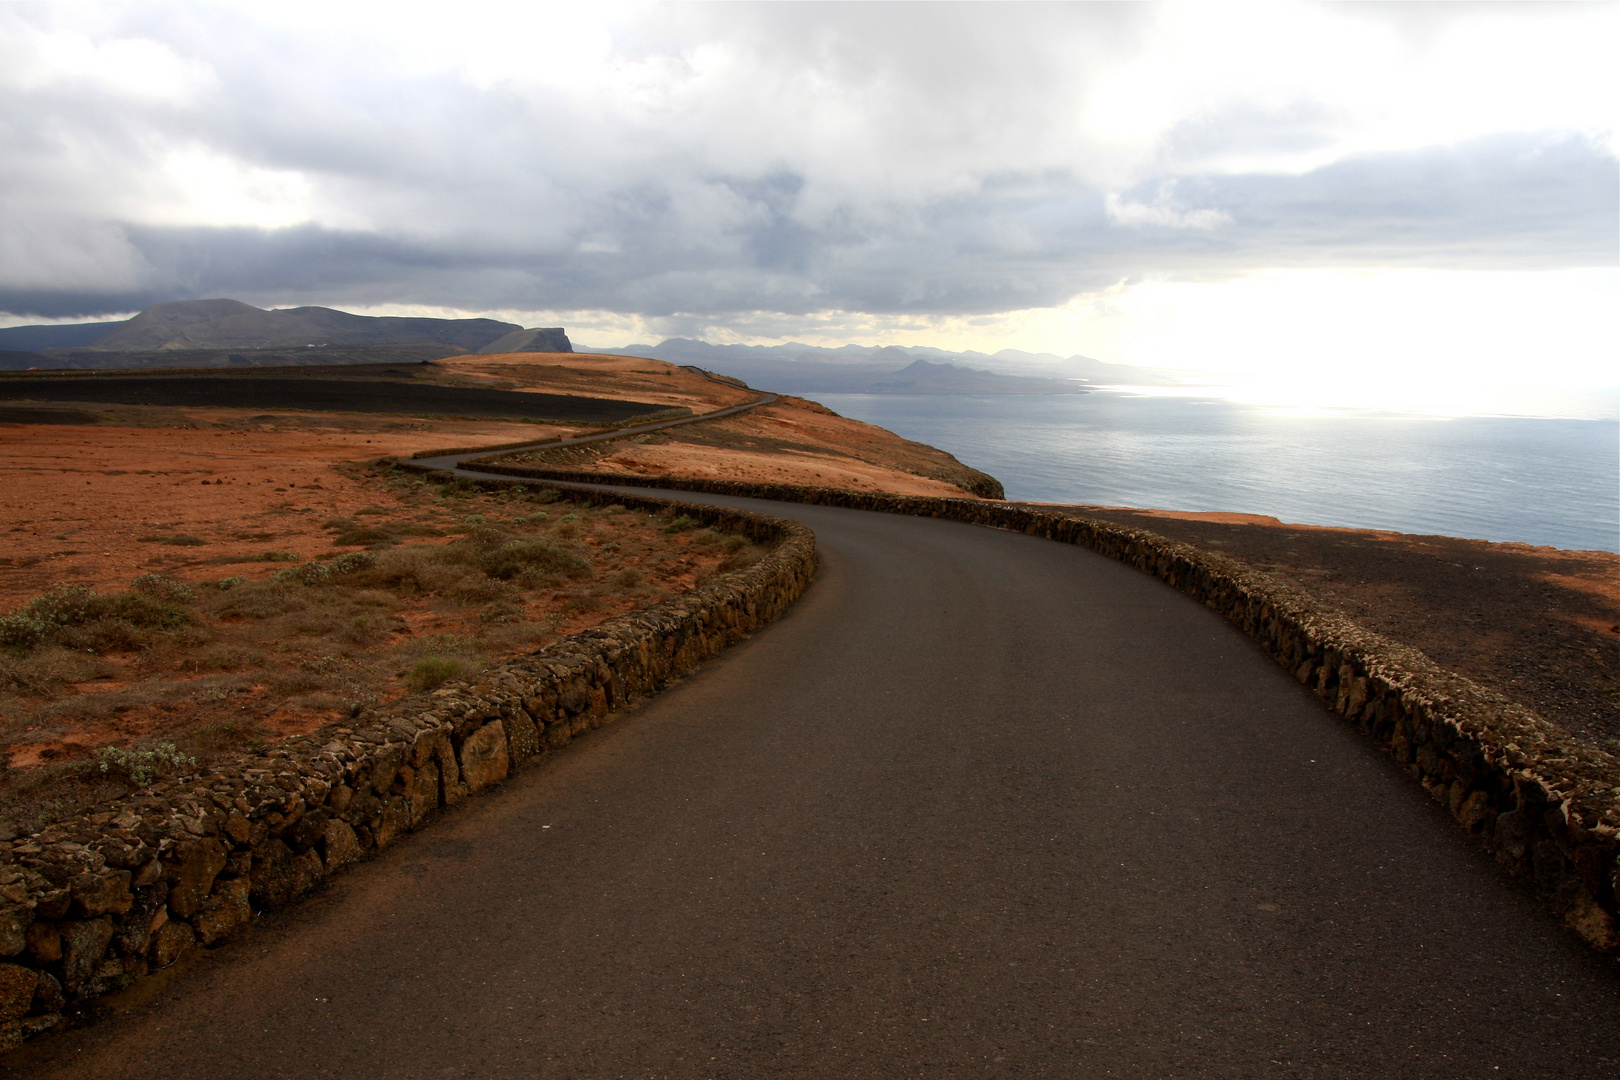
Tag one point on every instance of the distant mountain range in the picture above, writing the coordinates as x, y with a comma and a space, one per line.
796, 368
191, 325
229, 333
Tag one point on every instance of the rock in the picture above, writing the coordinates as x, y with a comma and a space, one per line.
483, 756
237, 828
575, 698
170, 941
386, 766
339, 798
394, 821
52, 904
44, 943
311, 827
103, 893
150, 873
14, 922
222, 912
363, 808
340, 845
134, 931
17, 985
192, 874
1474, 814
84, 944
423, 792
48, 996
522, 739
279, 877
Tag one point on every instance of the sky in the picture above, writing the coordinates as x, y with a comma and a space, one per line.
1403, 205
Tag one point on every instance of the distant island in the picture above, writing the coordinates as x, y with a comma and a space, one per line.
796, 368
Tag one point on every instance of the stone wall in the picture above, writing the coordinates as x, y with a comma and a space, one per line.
91, 903
1544, 802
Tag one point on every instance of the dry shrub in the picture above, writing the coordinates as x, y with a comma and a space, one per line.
501, 612
47, 671
433, 671
484, 591
417, 568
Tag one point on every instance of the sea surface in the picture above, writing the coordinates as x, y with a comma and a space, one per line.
1533, 480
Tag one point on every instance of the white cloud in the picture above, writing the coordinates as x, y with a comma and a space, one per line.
1162, 212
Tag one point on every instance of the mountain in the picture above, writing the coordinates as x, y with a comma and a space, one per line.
231, 324
536, 339
797, 368
59, 336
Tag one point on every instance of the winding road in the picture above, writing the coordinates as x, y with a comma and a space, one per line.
980, 805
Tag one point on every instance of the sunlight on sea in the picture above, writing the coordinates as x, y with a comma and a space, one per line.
1510, 478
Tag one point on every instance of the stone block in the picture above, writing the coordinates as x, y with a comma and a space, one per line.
386, 766
393, 822
423, 792
309, 830
17, 985
223, 911
14, 923
236, 827
1476, 814
339, 845
1594, 924
522, 739
102, 893
44, 943
483, 756
192, 873
279, 877
48, 996
170, 941
84, 945
52, 904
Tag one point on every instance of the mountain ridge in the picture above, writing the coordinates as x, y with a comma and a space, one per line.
232, 324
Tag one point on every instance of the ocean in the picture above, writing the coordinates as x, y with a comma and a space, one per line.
1537, 481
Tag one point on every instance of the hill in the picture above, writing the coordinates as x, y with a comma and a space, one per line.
231, 324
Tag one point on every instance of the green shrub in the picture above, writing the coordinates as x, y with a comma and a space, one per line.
22, 631
320, 573
141, 767
681, 524
162, 587
76, 616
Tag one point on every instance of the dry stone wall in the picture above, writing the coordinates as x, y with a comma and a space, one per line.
90, 904
1546, 803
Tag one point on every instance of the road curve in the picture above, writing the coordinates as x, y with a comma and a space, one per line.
453, 461
980, 805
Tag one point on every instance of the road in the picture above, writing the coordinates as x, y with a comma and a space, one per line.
980, 805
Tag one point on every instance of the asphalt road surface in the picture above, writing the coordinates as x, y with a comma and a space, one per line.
981, 805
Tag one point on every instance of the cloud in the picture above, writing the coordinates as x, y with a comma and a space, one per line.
761, 163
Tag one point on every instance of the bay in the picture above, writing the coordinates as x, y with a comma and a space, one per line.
1532, 480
